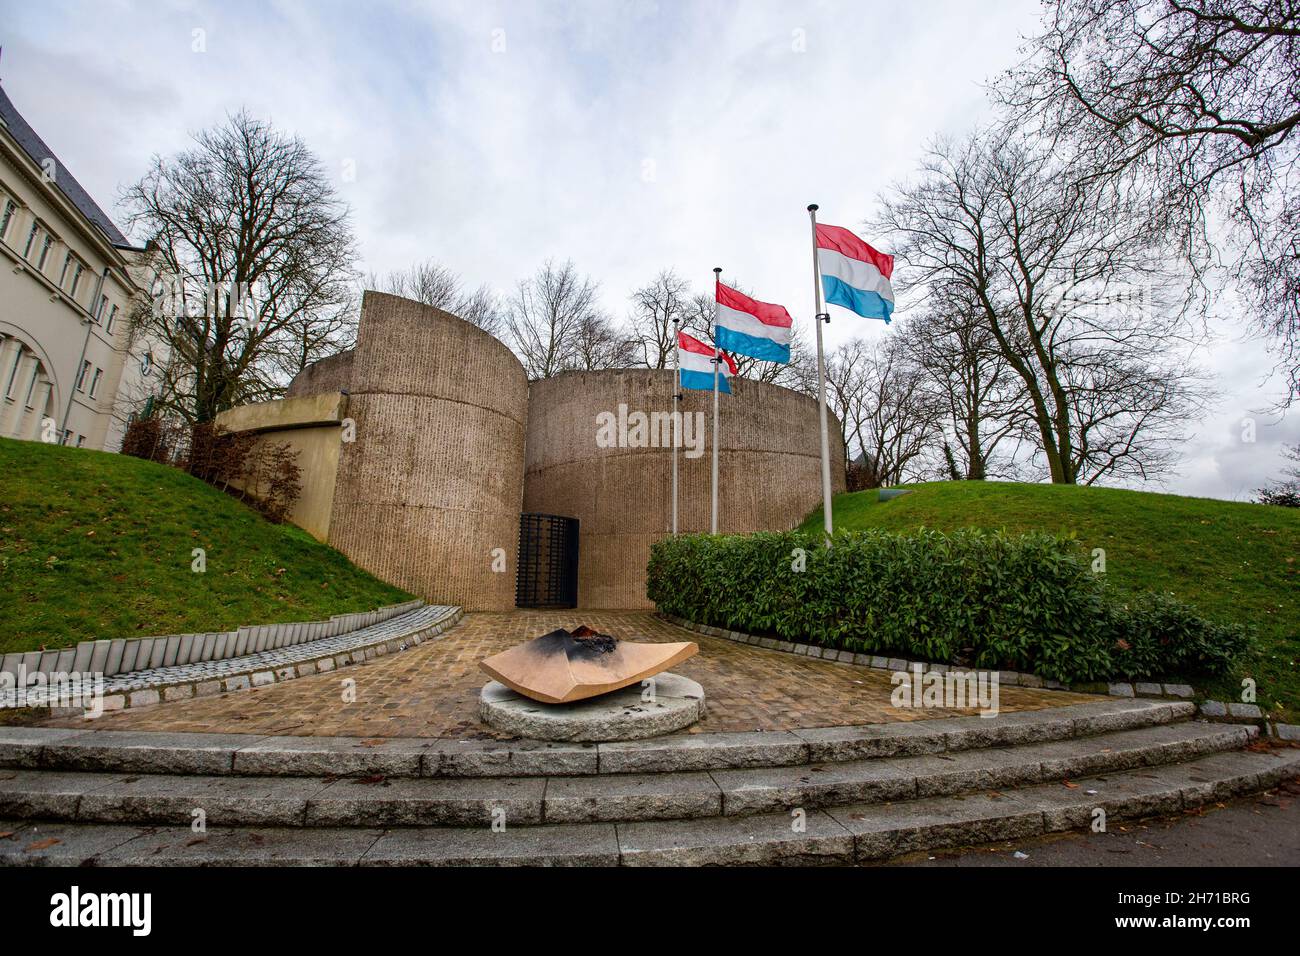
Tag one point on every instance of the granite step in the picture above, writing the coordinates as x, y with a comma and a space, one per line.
231, 800
863, 834
253, 754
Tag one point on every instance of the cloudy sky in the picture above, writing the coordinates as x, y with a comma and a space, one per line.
628, 136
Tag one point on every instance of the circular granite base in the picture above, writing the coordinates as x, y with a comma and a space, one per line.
621, 715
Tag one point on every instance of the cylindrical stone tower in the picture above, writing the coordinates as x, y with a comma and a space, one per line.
770, 467
428, 495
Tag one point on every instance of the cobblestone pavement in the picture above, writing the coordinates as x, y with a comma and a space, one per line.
432, 690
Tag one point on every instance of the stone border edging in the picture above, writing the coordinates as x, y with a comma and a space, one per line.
210, 678
111, 657
873, 661
1216, 710
878, 662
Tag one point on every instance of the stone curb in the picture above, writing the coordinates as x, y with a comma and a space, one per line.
872, 661
1159, 691
145, 688
122, 656
255, 755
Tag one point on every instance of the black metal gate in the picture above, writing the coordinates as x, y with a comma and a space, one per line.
548, 561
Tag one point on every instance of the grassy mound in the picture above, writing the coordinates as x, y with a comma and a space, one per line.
94, 545
1236, 562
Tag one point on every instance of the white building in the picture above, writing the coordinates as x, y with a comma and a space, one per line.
70, 370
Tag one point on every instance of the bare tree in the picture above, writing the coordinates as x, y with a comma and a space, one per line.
432, 283
1197, 103
554, 324
1285, 492
598, 344
1071, 281
970, 379
255, 254
310, 337
659, 310
889, 416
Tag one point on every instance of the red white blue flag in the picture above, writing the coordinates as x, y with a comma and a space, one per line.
854, 274
749, 327
695, 365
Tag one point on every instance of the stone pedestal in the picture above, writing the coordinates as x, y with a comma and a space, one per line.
676, 702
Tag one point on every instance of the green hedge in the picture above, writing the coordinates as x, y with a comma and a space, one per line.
985, 599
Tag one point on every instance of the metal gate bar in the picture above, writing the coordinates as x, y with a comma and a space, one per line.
548, 562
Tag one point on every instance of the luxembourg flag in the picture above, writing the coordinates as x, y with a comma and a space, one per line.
854, 274
695, 365
749, 327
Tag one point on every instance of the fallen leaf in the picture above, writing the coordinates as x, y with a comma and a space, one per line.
43, 844
1072, 786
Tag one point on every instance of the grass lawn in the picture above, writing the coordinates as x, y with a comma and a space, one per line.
94, 545
1234, 561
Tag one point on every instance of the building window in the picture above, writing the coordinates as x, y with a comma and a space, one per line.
45, 252
103, 304
112, 317
13, 373
146, 363
67, 436
81, 440
11, 207
76, 279
94, 382
67, 264
81, 379
31, 241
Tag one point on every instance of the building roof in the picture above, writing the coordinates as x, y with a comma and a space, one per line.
36, 149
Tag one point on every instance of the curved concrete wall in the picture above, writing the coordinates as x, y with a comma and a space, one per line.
333, 374
769, 467
433, 482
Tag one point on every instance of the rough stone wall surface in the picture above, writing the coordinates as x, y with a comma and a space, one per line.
769, 469
433, 482
330, 374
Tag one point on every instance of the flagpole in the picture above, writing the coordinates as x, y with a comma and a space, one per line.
827, 518
717, 362
677, 415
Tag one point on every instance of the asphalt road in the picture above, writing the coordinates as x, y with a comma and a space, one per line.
1263, 830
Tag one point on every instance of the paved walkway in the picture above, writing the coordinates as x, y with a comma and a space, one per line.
432, 690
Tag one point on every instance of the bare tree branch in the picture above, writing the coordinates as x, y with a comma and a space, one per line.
253, 254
